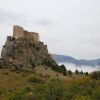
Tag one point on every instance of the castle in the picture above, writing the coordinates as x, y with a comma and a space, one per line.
25, 48
19, 32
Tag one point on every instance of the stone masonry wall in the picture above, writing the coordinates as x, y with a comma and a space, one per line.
20, 32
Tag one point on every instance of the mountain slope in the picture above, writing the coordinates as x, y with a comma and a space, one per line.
69, 59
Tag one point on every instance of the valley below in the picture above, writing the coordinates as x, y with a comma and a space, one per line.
73, 67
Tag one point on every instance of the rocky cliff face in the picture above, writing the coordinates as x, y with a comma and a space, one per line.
21, 52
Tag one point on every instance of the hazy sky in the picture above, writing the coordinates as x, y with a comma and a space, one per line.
69, 27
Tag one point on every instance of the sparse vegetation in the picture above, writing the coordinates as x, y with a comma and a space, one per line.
96, 75
35, 79
28, 85
55, 89
81, 72
86, 73
70, 72
76, 71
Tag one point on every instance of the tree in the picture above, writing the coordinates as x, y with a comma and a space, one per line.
76, 71
81, 72
86, 73
63, 67
64, 73
70, 72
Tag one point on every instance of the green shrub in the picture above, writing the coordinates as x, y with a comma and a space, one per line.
16, 95
86, 73
96, 93
64, 73
63, 68
40, 92
76, 71
55, 89
95, 75
52, 90
70, 72
79, 97
81, 72
35, 79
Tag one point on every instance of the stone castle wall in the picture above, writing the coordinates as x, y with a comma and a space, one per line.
19, 32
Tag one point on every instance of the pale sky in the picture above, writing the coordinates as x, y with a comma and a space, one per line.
68, 27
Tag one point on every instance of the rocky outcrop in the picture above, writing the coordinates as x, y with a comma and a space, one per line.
25, 51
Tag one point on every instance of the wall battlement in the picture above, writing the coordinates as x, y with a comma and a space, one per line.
19, 32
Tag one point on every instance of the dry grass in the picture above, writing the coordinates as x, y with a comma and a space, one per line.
11, 80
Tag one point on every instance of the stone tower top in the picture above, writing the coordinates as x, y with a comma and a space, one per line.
20, 32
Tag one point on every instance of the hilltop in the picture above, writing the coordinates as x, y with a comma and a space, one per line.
24, 50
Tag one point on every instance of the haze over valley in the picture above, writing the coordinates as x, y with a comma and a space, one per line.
82, 65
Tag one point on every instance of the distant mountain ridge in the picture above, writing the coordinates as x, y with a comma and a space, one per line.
68, 59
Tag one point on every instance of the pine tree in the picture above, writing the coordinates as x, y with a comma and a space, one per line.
70, 72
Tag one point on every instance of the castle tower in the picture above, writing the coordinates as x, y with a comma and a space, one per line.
34, 36
18, 31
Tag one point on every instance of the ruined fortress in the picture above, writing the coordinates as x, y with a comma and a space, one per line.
25, 49
19, 32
